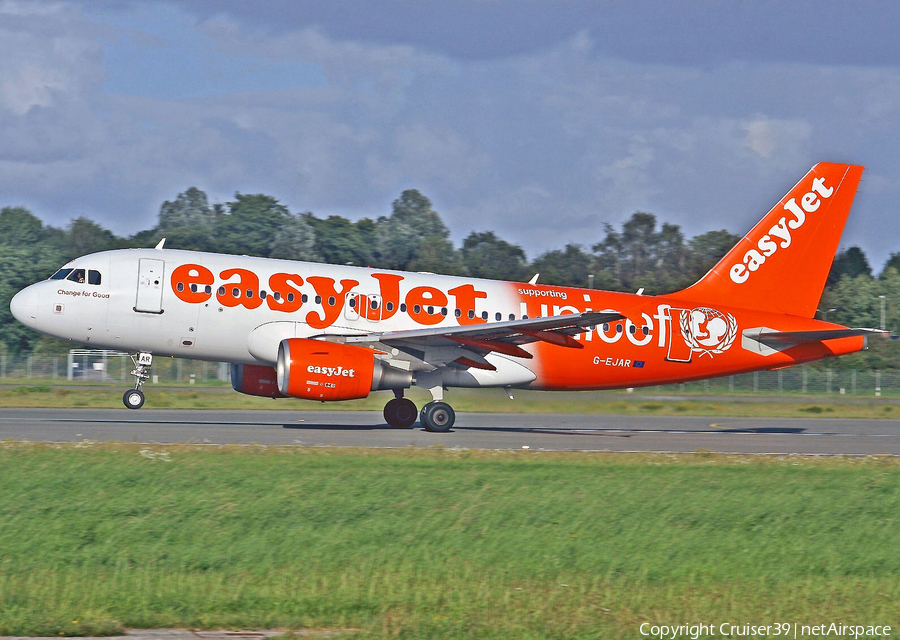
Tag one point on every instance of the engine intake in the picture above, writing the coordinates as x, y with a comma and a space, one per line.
318, 370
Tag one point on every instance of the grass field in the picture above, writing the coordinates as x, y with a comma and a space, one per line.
641, 402
440, 543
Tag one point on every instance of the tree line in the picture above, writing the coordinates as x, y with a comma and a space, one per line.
642, 253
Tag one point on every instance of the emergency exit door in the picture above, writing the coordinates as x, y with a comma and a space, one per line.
150, 286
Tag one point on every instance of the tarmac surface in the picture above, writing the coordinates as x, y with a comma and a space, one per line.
815, 436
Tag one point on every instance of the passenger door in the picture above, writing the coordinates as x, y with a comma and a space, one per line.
150, 286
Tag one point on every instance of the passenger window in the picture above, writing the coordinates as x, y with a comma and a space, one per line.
61, 274
93, 277
77, 275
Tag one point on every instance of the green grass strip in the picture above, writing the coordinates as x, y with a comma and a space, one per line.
642, 402
439, 543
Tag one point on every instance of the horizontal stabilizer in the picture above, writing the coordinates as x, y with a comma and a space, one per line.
801, 337
768, 341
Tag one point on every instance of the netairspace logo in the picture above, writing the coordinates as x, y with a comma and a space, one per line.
782, 629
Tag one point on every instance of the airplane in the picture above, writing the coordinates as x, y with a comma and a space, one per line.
332, 332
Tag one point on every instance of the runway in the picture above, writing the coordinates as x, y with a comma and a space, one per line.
472, 430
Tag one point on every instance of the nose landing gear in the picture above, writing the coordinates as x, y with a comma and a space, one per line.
134, 398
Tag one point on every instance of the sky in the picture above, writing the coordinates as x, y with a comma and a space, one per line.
540, 120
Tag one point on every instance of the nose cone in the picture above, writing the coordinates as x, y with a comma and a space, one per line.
24, 306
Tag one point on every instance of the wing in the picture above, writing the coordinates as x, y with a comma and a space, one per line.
465, 346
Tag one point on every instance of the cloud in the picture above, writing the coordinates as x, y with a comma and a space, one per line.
43, 60
344, 63
543, 146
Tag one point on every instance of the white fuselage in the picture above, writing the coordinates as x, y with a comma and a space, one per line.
136, 306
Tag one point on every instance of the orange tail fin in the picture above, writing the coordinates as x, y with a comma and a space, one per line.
782, 263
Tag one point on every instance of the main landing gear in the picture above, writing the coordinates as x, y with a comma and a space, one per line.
134, 398
436, 416
400, 412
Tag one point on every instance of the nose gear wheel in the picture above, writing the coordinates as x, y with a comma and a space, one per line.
134, 398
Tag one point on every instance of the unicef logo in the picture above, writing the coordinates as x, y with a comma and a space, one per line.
708, 331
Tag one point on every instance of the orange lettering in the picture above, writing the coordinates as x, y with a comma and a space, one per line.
189, 282
419, 299
466, 295
243, 292
389, 286
280, 283
332, 300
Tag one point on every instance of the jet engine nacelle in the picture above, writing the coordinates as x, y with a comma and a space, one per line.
255, 380
318, 370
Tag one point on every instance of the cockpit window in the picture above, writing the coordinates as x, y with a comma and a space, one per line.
78, 275
61, 274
